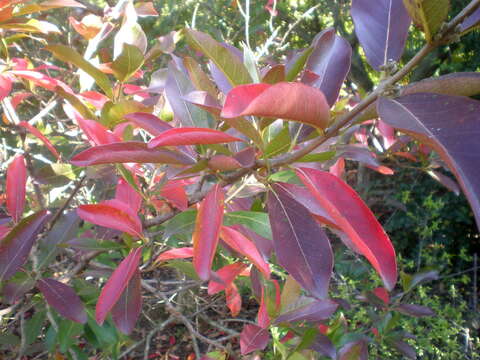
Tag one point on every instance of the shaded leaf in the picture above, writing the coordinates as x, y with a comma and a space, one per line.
16, 245
323, 345
403, 348
354, 218
16, 187
315, 311
253, 338
226, 274
63, 298
415, 310
116, 284
129, 151
16, 287
301, 245
382, 28
190, 136
125, 193
126, 310
330, 60
207, 230
292, 101
449, 125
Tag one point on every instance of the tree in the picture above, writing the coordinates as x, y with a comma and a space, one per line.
235, 163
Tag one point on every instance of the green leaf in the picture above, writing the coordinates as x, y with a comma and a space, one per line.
113, 113
323, 156
77, 104
69, 55
279, 144
231, 66
185, 267
254, 220
199, 79
182, 223
296, 65
429, 14
130, 60
287, 176
88, 244
33, 326
67, 331
250, 63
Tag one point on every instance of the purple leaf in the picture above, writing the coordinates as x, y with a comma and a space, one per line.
404, 348
15, 288
330, 60
324, 346
149, 122
356, 350
253, 338
16, 245
301, 245
415, 310
470, 22
448, 124
382, 28
63, 299
129, 151
315, 311
127, 309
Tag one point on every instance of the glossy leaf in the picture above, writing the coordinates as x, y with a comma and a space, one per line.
177, 87
129, 151
16, 245
428, 14
449, 125
149, 122
180, 253
382, 28
227, 274
63, 298
112, 214
301, 245
230, 65
190, 136
127, 63
315, 311
126, 310
292, 101
253, 338
116, 284
207, 230
128, 195
16, 187
330, 60
238, 242
35, 132
354, 218
69, 55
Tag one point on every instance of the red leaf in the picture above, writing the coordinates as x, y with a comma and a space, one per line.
112, 214
382, 294
175, 193
191, 136
127, 194
113, 289
34, 131
127, 309
63, 299
42, 80
16, 187
227, 274
207, 229
286, 100
129, 151
3, 231
355, 219
238, 242
16, 245
234, 300
223, 163
5, 86
253, 338
262, 317
180, 253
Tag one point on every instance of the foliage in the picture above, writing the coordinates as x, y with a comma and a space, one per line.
186, 147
